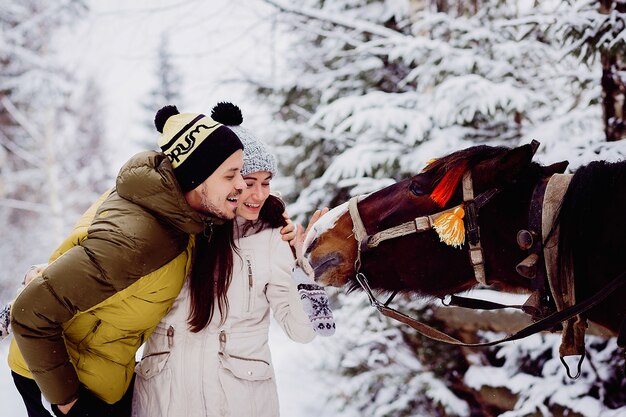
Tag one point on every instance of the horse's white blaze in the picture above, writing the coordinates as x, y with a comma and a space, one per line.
324, 223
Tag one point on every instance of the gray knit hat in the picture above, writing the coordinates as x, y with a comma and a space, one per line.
256, 156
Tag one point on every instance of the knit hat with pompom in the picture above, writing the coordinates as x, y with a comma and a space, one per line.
195, 144
256, 156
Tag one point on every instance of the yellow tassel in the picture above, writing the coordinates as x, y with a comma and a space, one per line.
450, 228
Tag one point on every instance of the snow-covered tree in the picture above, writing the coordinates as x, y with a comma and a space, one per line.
596, 29
88, 173
377, 367
42, 140
165, 91
388, 87
372, 90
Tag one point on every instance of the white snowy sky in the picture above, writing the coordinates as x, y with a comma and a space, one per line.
212, 44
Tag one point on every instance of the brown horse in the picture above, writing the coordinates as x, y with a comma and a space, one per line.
592, 235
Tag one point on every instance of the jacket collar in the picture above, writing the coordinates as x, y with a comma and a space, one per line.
148, 180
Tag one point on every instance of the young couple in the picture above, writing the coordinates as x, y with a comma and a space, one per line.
116, 281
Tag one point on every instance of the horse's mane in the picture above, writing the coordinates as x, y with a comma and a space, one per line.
592, 213
446, 172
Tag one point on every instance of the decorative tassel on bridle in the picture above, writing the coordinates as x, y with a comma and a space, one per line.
450, 226
448, 184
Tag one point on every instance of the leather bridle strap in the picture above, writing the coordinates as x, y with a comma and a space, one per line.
472, 206
365, 241
541, 325
477, 258
420, 224
358, 228
417, 225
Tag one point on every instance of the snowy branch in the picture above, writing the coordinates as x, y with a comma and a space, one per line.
21, 119
23, 205
19, 151
360, 26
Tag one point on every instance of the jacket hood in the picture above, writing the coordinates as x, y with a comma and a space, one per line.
148, 180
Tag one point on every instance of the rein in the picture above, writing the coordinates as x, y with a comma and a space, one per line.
543, 324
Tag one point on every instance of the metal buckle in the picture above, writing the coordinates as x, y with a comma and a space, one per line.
362, 280
580, 363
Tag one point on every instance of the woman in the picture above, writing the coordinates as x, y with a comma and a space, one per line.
210, 356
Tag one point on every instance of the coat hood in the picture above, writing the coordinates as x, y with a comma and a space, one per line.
148, 180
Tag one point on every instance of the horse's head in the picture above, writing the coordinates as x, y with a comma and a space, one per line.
420, 262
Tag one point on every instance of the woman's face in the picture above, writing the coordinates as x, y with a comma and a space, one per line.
254, 195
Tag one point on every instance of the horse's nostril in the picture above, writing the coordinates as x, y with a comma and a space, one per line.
325, 263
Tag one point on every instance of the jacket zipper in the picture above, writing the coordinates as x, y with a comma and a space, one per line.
250, 282
208, 229
222, 351
91, 333
170, 343
170, 336
249, 359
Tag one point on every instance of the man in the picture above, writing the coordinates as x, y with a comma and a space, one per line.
79, 324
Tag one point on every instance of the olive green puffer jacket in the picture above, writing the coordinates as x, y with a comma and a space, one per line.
107, 286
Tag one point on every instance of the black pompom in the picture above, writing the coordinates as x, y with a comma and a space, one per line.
227, 114
162, 116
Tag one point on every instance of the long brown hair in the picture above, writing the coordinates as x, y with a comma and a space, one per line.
212, 270
213, 258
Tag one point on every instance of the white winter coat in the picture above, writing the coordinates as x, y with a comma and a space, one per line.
225, 370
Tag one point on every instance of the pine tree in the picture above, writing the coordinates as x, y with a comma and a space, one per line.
381, 84
88, 173
375, 89
166, 90
596, 30
40, 141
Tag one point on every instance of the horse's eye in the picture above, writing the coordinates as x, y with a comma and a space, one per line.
416, 189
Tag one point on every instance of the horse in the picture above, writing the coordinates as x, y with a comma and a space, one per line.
388, 239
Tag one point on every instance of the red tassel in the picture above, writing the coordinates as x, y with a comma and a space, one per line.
444, 190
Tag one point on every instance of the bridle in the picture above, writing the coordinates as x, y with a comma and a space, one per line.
421, 224
471, 205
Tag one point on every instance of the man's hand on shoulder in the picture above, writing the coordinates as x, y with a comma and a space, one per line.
288, 231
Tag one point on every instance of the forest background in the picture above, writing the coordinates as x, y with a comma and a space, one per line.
353, 95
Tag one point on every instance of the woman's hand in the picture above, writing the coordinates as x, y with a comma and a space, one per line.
298, 242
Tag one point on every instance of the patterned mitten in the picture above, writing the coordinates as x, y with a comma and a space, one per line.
315, 303
5, 321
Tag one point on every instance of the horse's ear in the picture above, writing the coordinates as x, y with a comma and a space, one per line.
556, 168
504, 169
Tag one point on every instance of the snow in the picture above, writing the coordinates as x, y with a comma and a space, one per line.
299, 386
117, 44
12, 405
447, 87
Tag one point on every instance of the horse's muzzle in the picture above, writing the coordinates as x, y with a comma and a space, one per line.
323, 269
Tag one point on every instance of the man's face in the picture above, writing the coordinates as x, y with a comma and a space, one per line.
219, 194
